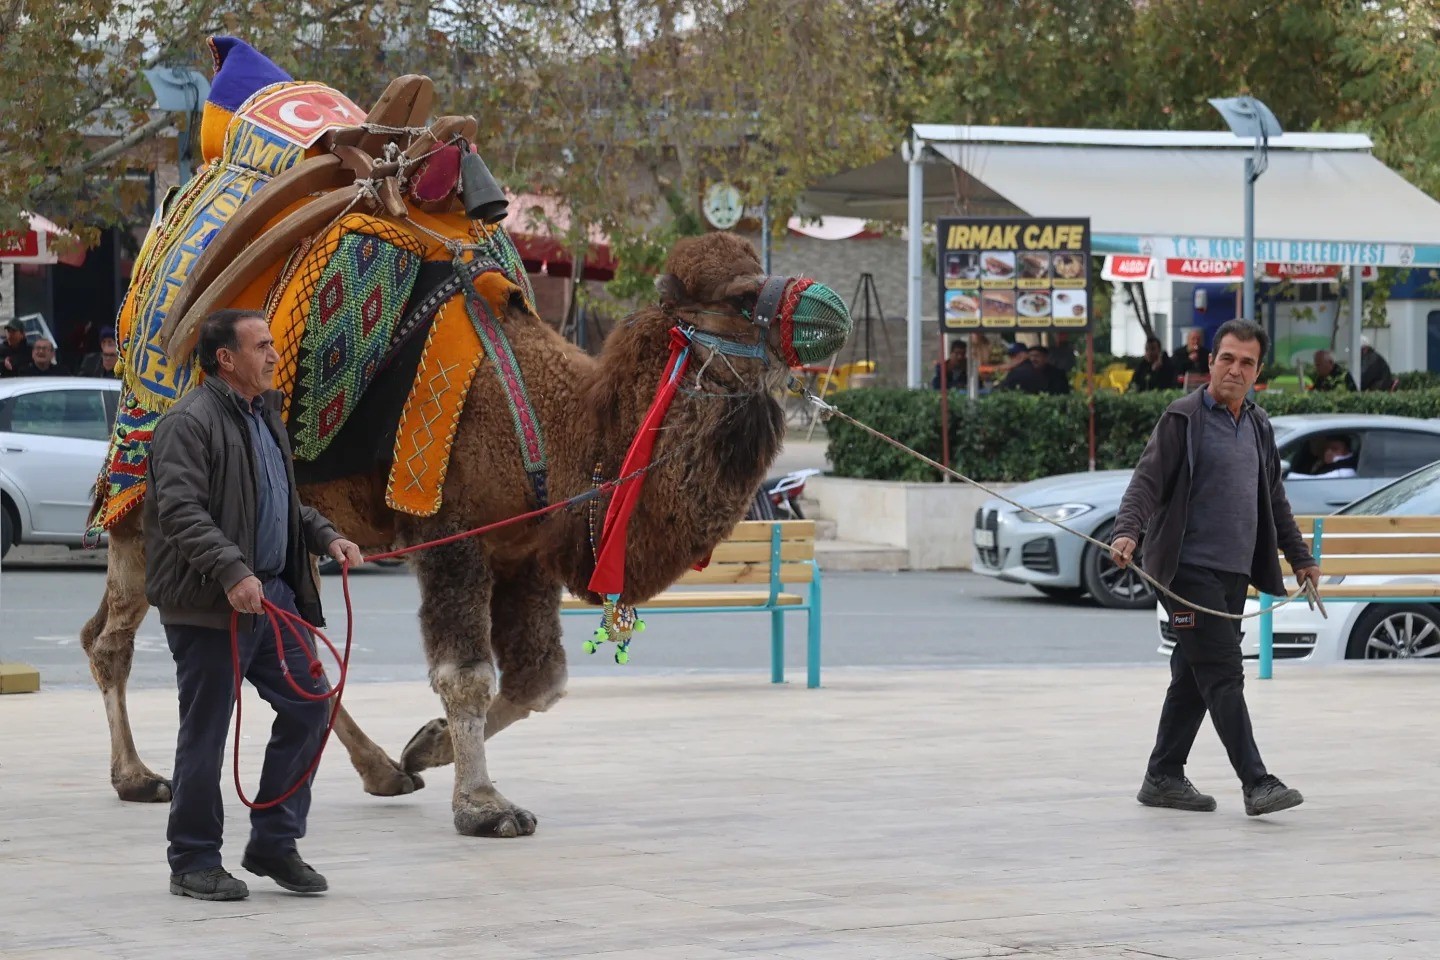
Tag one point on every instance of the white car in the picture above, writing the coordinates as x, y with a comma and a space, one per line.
1355, 631
54, 433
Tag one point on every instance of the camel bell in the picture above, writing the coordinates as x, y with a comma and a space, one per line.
480, 192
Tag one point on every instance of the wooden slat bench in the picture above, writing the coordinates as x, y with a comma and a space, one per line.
1363, 546
773, 554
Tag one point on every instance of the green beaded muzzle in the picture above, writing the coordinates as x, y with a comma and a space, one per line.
814, 322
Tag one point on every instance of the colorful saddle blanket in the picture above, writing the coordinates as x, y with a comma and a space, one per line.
349, 317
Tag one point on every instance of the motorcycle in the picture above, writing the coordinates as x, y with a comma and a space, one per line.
779, 497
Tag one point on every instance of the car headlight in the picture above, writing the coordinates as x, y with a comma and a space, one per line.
1059, 512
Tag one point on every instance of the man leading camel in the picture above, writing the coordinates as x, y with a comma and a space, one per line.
225, 530
1208, 503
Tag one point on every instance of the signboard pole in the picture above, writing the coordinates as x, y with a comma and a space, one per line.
1090, 379
1357, 308
944, 375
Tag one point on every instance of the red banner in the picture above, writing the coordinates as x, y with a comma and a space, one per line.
15, 244
1121, 268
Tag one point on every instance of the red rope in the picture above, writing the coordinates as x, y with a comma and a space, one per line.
298, 628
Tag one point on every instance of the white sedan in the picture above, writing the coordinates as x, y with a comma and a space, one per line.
1355, 631
54, 433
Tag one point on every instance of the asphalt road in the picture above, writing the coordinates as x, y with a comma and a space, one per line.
904, 620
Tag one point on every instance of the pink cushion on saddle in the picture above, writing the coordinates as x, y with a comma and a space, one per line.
438, 175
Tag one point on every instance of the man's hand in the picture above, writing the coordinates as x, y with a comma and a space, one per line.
346, 552
1121, 551
247, 596
1308, 575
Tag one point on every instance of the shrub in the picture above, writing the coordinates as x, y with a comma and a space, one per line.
1015, 437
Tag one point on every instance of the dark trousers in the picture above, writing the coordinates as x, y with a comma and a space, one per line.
1206, 673
207, 696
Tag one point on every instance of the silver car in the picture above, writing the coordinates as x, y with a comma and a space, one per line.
1020, 548
54, 433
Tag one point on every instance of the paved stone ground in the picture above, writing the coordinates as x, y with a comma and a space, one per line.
895, 815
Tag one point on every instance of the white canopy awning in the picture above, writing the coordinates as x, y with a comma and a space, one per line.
1324, 199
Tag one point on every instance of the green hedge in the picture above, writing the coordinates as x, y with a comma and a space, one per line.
1015, 437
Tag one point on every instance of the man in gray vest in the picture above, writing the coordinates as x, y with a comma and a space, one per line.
1207, 503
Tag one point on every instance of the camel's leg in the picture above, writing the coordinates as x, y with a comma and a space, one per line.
381, 776
526, 636
455, 590
109, 642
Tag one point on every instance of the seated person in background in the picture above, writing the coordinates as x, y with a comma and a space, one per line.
102, 364
1195, 358
1335, 461
1154, 371
1036, 375
42, 361
956, 368
1374, 369
1329, 375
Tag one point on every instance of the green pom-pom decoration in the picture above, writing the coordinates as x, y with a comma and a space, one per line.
601, 634
621, 657
590, 646
639, 626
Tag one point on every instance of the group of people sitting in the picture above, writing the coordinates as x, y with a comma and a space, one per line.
1156, 371
1027, 369
22, 357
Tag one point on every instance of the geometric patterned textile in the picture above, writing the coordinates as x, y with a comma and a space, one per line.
358, 298
121, 484
432, 412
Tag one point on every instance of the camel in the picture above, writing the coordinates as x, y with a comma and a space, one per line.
490, 606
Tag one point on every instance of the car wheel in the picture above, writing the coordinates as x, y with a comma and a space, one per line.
7, 531
1394, 631
1066, 594
1108, 584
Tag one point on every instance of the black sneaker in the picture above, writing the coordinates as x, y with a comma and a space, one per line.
289, 871
1175, 792
215, 883
1269, 795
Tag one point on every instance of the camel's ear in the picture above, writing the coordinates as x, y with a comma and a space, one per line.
671, 290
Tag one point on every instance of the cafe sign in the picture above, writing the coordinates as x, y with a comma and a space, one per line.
1007, 273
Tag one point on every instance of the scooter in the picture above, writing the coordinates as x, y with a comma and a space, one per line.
779, 497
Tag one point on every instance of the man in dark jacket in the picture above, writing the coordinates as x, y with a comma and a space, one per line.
1374, 369
225, 530
15, 351
1329, 375
1154, 370
1036, 375
1207, 502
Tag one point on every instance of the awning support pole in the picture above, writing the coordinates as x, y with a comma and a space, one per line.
1357, 307
912, 297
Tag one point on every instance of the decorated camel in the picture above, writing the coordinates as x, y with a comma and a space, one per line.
425, 397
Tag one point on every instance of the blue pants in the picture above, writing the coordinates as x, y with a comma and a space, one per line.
205, 675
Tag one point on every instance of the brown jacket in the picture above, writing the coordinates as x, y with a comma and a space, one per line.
1155, 509
200, 510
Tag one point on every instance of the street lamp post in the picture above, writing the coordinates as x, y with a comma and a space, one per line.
1248, 117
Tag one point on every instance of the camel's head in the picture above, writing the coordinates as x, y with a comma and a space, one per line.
715, 284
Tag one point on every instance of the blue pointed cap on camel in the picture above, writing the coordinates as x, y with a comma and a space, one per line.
240, 70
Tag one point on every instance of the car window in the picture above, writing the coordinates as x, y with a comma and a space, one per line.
1394, 453
78, 414
1306, 453
1417, 495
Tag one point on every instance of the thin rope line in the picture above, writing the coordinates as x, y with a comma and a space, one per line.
1307, 591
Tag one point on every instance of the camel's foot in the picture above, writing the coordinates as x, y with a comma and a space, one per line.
388, 780
430, 747
143, 788
491, 815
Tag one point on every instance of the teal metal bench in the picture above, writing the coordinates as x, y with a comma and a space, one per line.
775, 554
1358, 546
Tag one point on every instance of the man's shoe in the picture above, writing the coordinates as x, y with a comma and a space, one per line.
1269, 795
289, 871
1175, 792
212, 884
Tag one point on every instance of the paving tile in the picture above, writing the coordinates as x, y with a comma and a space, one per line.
896, 814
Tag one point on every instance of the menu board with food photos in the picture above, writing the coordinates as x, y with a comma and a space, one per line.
1007, 273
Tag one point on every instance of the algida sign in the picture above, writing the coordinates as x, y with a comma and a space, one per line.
1003, 273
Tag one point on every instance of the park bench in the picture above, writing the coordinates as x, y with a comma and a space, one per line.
1363, 546
777, 555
